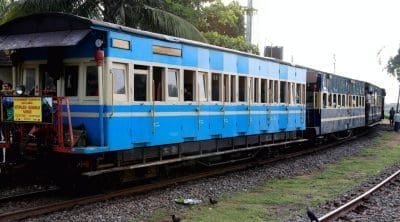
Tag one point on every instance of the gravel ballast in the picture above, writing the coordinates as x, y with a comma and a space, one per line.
142, 206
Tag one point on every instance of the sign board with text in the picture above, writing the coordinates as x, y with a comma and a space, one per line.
27, 109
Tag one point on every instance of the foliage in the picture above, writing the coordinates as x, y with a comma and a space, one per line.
238, 43
393, 66
226, 20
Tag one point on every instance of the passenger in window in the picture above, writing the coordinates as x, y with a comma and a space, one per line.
7, 89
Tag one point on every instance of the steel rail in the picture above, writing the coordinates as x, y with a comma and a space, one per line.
335, 214
36, 211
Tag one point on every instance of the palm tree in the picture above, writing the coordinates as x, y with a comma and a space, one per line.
143, 14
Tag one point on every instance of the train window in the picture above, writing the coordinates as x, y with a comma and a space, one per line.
276, 91
298, 93
92, 81
158, 84
188, 83
226, 89
251, 91
264, 90
140, 84
363, 101
71, 80
242, 89
329, 100
215, 87
354, 101
233, 88
256, 90
325, 100
271, 91
202, 83
293, 93
303, 93
119, 77
334, 103
172, 83
283, 92
30, 81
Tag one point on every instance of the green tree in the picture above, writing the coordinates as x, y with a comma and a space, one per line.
393, 66
237, 43
144, 14
222, 25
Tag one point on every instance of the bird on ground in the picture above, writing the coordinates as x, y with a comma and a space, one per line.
312, 216
175, 218
213, 201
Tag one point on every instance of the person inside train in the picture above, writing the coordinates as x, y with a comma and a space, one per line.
7, 89
391, 116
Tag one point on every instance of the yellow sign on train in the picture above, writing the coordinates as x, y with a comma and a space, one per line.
28, 109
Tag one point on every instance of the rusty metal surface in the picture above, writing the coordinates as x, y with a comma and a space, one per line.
44, 39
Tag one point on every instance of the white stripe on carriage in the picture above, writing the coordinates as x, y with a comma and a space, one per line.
342, 118
173, 114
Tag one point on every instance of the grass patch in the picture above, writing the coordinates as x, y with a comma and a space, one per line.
276, 200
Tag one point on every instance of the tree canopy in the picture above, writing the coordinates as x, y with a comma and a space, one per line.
393, 66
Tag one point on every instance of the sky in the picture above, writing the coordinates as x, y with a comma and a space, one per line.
314, 32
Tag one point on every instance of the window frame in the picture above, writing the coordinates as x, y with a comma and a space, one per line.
148, 84
117, 97
167, 96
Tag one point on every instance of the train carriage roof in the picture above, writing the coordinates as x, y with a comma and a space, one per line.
60, 29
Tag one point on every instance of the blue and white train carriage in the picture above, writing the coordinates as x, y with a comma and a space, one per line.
155, 99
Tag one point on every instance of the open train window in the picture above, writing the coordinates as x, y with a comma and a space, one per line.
157, 83
242, 89
233, 88
353, 101
329, 100
334, 103
92, 81
283, 92
256, 90
202, 84
172, 84
188, 85
298, 94
325, 100
251, 91
226, 89
292, 93
264, 90
363, 101
71, 80
276, 91
140, 83
215, 87
271, 91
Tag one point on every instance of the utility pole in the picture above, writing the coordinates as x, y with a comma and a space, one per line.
398, 99
249, 21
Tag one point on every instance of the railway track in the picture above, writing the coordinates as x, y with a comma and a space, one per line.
31, 194
44, 209
356, 202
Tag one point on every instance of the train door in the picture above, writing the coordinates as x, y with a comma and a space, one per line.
142, 126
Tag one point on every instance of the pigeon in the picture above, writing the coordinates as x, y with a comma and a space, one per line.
175, 218
312, 216
213, 201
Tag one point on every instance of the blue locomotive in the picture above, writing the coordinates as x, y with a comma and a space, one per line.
105, 98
